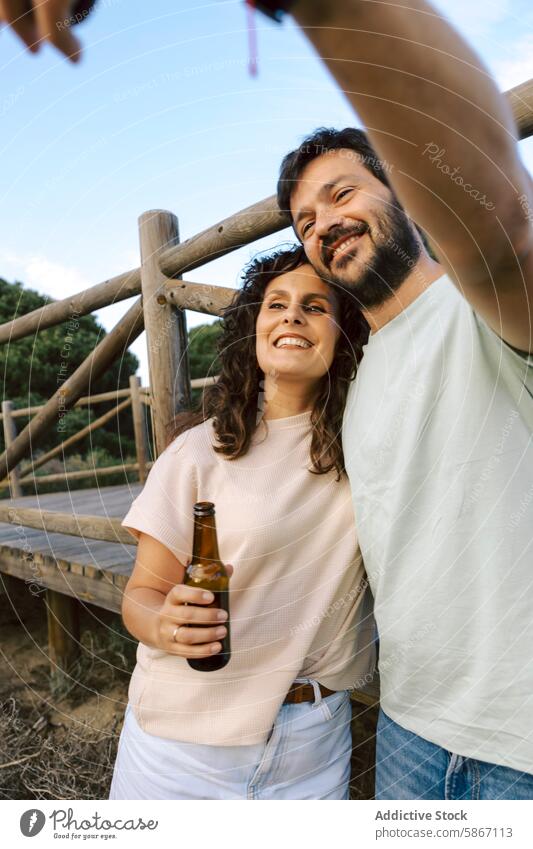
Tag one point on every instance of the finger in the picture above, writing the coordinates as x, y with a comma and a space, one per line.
21, 20
189, 614
182, 594
190, 636
54, 20
206, 650
229, 569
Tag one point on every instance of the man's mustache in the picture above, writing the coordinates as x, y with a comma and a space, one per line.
326, 251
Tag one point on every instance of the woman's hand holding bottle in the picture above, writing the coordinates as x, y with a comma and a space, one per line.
186, 625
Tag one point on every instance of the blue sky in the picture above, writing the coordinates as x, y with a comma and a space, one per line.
162, 113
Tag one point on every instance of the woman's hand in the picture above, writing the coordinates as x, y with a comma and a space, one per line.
186, 626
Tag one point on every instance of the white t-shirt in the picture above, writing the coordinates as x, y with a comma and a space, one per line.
299, 602
438, 444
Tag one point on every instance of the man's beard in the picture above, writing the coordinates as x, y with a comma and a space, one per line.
396, 252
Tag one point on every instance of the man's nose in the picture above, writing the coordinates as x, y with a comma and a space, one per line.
327, 221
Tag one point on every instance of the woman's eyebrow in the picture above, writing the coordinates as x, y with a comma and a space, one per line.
308, 297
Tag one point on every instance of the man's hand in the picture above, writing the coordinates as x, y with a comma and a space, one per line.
46, 20
187, 627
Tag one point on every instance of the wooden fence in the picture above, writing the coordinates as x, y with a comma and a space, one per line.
160, 313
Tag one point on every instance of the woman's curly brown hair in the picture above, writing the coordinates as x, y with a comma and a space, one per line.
232, 402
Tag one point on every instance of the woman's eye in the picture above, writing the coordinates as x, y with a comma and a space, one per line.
275, 304
313, 308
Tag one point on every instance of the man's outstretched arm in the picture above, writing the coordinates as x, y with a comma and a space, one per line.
434, 114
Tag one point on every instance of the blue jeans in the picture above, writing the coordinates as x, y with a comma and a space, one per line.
409, 767
307, 756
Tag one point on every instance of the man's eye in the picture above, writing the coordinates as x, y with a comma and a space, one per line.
307, 226
343, 193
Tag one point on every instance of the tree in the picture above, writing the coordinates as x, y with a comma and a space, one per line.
203, 359
32, 369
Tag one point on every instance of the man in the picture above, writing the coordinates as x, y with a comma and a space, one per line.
437, 432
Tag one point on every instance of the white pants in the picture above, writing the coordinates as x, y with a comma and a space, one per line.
306, 757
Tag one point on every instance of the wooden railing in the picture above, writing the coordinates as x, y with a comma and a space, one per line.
137, 397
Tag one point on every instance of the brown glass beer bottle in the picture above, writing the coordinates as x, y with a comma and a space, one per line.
206, 571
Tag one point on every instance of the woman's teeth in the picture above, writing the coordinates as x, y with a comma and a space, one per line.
290, 340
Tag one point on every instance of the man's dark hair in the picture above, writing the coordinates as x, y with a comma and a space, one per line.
320, 142
323, 141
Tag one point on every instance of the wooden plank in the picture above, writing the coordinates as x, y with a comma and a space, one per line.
43, 572
85, 473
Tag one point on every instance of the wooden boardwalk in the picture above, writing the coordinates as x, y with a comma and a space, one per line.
86, 569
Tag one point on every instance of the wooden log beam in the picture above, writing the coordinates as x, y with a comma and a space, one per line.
521, 99
10, 434
123, 334
256, 221
114, 395
166, 331
62, 612
140, 428
198, 297
58, 449
83, 473
111, 291
89, 527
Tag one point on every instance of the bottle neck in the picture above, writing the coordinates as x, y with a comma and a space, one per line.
205, 544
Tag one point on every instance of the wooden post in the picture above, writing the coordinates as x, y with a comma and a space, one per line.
139, 426
63, 633
10, 434
166, 329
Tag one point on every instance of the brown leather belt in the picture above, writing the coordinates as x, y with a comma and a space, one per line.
305, 693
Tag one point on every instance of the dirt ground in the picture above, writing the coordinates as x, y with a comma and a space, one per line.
58, 739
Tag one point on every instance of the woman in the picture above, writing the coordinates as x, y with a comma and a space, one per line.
265, 447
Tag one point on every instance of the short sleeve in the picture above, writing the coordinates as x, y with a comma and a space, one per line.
164, 507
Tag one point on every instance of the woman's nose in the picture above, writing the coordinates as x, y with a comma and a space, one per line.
292, 316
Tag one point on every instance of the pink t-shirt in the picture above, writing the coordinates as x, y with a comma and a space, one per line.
299, 602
